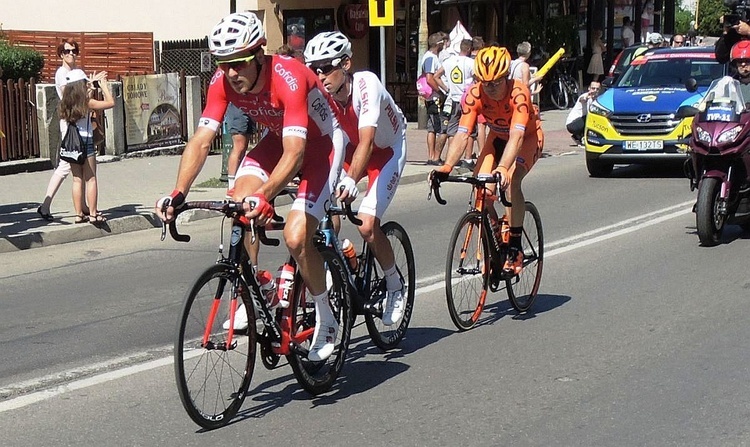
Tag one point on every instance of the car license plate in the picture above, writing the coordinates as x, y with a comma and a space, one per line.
644, 145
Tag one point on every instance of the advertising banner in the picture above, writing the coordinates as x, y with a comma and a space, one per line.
152, 110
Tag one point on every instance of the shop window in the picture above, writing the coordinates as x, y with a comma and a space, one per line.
301, 25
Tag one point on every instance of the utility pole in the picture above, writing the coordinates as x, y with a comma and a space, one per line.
423, 34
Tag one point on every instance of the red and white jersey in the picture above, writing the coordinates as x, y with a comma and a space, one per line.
372, 105
293, 101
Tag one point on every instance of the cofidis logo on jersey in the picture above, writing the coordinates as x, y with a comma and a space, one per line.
287, 75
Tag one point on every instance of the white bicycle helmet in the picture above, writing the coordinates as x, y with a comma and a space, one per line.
236, 33
328, 46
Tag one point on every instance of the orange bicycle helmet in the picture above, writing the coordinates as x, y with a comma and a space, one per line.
491, 63
740, 50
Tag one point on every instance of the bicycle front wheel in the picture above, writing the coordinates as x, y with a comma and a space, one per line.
467, 271
212, 372
388, 337
522, 288
318, 377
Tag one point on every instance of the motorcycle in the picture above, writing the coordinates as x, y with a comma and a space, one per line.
719, 164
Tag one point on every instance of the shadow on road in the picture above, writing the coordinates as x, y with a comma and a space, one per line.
497, 310
661, 170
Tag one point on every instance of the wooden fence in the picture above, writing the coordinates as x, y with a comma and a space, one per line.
118, 53
18, 120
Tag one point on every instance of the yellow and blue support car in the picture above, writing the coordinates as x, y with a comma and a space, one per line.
638, 119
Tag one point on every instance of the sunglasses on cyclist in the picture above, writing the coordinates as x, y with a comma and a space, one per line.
234, 64
72, 51
328, 68
493, 84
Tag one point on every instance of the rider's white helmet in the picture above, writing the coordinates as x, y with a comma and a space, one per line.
655, 39
236, 33
328, 46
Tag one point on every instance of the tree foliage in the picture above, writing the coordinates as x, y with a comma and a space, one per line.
709, 15
19, 62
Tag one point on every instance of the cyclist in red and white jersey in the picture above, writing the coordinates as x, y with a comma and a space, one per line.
303, 136
375, 133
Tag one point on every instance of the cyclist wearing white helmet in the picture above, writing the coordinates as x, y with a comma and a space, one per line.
303, 136
375, 132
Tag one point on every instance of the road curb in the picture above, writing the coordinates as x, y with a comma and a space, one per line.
120, 225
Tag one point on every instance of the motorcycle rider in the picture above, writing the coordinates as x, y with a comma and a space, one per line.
740, 60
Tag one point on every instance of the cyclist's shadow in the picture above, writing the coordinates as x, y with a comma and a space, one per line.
356, 377
496, 310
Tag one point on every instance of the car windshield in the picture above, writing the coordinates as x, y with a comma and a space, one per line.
725, 96
664, 71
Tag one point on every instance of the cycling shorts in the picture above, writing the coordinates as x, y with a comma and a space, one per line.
531, 150
319, 173
383, 176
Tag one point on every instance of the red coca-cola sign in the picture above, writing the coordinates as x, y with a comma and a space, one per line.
354, 20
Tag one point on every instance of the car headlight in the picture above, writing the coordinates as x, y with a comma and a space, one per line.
729, 135
703, 136
598, 109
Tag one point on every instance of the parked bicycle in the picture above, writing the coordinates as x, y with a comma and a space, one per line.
213, 365
561, 85
478, 248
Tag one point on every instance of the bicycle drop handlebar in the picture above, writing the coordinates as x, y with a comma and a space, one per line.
230, 209
436, 178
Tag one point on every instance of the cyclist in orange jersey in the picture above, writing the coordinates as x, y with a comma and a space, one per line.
515, 138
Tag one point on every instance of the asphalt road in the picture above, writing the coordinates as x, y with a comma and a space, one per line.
638, 337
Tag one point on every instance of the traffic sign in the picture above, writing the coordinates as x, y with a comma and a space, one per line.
382, 12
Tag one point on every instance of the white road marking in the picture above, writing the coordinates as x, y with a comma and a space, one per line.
432, 283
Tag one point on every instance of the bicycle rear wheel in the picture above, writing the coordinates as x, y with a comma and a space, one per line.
388, 337
318, 377
213, 377
558, 93
522, 288
467, 271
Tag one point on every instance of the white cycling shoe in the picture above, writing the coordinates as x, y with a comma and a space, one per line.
240, 319
394, 306
324, 339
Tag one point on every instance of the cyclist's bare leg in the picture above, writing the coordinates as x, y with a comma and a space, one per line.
298, 232
518, 203
376, 239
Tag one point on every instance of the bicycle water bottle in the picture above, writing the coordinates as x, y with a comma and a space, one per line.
267, 287
504, 230
284, 283
350, 253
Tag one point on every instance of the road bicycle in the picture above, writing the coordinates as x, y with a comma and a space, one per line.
478, 248
214, 366
367, 284
561, 86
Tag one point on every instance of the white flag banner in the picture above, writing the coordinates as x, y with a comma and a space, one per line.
457, 34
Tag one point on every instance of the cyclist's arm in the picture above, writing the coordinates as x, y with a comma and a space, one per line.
511, 149
362, 153
193, 157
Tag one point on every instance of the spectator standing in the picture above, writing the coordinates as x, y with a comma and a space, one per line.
647, 19
627, 33
459, 70
68, 52
519, 68
75, 108
678, 40
596, 64
240, 127
576, 120
429, 66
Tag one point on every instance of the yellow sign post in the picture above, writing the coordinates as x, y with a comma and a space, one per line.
382, 12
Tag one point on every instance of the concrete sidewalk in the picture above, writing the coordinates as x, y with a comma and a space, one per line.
129, 187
